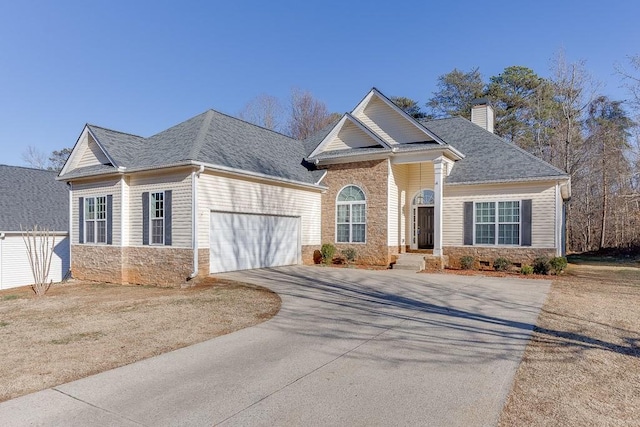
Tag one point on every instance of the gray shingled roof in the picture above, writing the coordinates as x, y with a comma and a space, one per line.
210, 137
488, 158
31, 197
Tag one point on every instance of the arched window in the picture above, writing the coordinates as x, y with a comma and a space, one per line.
424, 197
351, 219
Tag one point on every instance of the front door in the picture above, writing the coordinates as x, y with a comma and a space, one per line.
425, 227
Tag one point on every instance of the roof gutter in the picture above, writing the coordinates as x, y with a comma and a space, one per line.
210, 166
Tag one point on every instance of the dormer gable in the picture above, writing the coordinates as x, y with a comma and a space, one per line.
87, 152
349, 133
390, 122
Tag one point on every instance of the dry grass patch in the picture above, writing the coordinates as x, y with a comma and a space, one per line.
582, 366
85, 328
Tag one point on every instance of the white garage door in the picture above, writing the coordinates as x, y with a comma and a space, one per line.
245, 241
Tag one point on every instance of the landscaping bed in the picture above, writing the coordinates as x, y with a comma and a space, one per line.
79, 329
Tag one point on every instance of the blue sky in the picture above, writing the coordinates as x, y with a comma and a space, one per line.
141, 67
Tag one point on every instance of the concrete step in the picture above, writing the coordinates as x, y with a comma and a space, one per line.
413, 262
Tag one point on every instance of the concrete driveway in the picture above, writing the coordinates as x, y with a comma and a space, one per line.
349, 347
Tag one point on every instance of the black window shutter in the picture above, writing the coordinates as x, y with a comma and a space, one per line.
167, 217
81, 220
468, 223
145, 218
526, 223
109, 219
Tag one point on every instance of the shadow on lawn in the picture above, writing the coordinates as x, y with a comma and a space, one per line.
444, 318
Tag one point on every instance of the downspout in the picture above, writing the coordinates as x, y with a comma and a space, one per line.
2, 236
70, 226
194, 219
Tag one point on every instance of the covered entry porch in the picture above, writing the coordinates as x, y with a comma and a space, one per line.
415, 192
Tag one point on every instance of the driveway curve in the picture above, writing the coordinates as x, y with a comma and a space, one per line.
349, 347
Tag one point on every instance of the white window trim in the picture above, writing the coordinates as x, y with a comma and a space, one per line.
497, 224
152, 217
95, 220
351, 203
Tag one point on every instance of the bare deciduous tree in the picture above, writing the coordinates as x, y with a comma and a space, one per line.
308, 115
35, 158
264, 110
40, 244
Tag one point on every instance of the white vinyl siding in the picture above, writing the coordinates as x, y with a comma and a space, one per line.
15, 269
543, 208
180, 184
397, 129
397, 204
222, 192
350, 136
98, 189
92, 154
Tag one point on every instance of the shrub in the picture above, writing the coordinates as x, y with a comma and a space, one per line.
558, 264
501, 264
317, 257
526, 270
466, 262
349, 254
328, 251
541, 265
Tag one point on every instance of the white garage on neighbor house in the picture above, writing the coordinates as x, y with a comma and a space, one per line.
30, 197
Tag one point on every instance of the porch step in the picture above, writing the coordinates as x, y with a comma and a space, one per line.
413, 262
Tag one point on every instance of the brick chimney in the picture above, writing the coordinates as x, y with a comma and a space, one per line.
482, 114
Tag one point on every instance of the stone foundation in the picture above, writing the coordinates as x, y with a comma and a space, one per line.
307, 254
148, 265
484, 256
436, 262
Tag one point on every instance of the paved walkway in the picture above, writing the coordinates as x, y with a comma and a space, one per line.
349, 347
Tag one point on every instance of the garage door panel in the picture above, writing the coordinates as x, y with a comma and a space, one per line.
246, 241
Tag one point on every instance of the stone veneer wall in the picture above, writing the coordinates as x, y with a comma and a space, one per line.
307, 253
371, 177
158, 266
97, 263
521, 255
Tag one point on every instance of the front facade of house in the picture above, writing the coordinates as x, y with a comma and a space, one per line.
216, 194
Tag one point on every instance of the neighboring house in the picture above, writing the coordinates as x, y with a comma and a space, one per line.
30, 197
215, 194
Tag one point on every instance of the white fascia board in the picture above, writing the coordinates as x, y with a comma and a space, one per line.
329, 136
550, 179
74, 150
410, 119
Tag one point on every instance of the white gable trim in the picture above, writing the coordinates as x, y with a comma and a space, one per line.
376, 93
82, 144
338, 127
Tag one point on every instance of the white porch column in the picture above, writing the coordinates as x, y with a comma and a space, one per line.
438, 184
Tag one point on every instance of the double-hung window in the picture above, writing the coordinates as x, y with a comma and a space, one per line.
351, 221
497, 223
157, 218
95, 219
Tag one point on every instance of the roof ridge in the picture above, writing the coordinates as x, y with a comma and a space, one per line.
116, 131
199, 141
253, 124
29, 168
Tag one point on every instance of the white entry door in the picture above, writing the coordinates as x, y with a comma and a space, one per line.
246, 241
